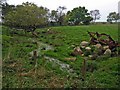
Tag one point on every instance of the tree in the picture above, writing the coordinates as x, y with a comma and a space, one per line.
1, 3
78, 15
95, 14
6, 8
57, 16
61, 14
87, 20
27, 16
53, 17
113, 16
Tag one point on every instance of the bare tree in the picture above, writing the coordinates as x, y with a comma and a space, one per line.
95, 14
61, 14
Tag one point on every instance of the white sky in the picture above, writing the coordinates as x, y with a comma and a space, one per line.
105, 6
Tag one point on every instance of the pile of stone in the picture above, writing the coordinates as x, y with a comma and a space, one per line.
97, 46
92, 51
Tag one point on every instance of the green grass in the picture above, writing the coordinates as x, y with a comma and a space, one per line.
17, 45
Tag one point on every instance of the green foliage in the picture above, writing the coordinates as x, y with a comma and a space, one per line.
16, 62
6, 8
78, 15
107, 73
70, 37
92, 65
113, 16
87, 20
27, 16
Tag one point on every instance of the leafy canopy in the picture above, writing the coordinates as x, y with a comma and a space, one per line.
27, 16
78, 15
113, 16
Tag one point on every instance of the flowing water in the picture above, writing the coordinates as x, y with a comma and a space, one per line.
62, 65
46, 47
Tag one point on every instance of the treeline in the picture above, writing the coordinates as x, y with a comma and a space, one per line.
29, 16
54, 17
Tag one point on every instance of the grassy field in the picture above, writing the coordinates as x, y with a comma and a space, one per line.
19, 71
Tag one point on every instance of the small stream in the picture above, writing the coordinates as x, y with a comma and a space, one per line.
62, 65
46, 47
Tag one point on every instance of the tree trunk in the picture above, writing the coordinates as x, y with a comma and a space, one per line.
34, 34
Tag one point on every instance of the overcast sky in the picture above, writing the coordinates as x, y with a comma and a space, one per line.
105, 6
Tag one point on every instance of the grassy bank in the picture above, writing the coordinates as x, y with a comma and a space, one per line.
19, 72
